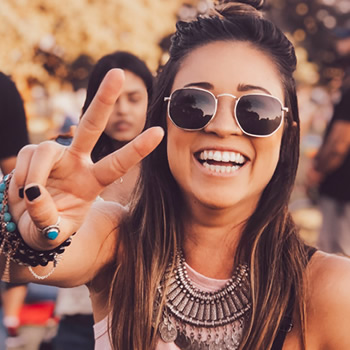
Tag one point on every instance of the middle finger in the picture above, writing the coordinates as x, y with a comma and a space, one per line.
96, 117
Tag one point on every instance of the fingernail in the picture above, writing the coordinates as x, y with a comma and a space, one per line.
32, 192
21, 192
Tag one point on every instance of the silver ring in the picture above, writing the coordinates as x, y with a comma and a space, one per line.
51, 232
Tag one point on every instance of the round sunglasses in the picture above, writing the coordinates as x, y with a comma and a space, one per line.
258, 115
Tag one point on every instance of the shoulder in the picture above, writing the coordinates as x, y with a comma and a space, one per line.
104, 217
328, 302
100, 230
328, 267
108, 210
4, 79
7, 85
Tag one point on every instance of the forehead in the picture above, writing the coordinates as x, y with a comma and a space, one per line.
228, 64
133, 83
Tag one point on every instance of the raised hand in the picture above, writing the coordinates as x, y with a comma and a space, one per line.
62, 181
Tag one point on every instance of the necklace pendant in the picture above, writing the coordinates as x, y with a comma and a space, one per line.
167, 331
183, 342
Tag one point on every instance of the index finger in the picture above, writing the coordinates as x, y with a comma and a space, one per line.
95, 118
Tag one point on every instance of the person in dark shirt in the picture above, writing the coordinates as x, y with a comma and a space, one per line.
13, 136
13, 131
331, 174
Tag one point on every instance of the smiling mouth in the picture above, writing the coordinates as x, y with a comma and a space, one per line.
221, 161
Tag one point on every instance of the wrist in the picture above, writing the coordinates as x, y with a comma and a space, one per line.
12, 244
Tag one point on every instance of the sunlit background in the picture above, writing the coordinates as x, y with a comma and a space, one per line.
50, 46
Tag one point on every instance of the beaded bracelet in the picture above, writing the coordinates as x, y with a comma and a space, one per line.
12, 244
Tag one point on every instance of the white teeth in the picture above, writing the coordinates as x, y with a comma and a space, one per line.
225, 156
217, 156
221, 168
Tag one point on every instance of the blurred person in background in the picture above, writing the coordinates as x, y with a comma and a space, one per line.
329, 174
13, 131
19, 297
13, 136
125, 123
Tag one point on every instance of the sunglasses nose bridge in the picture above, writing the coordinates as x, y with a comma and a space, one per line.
224, 122
235, 98
227, 95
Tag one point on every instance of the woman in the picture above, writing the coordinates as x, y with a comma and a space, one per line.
208, 255
127, 119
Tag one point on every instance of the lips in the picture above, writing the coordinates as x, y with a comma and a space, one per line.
122, 126
221, 161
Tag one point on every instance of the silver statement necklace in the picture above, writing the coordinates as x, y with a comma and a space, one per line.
198, 320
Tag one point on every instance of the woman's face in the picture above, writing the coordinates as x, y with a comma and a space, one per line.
129, 115
235, 68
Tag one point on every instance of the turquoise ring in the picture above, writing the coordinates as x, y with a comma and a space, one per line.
51, 232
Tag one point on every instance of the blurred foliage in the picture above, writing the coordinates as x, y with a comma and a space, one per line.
314, 26
47, 42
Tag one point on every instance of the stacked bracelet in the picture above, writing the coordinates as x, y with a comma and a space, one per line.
12, 244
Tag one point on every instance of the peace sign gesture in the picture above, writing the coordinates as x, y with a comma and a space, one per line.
61, 181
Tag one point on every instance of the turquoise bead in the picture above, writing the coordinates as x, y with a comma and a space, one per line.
7, 217
52, 234
10, 227
6, 177
1, 196
6, 208
2, 187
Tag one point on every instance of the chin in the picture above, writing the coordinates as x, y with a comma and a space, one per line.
238, 203
219, 202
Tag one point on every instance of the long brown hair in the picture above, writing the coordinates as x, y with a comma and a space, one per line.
153, 230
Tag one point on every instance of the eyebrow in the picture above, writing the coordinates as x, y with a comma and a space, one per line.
241, 87
134, 92
202, 84
248, 87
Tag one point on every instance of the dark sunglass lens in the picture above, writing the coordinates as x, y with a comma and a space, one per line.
259, 114
191, 108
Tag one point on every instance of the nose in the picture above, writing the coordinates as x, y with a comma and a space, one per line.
224, 123
122, 105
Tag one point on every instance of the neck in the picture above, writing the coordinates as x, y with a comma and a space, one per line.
119, 144
211, 250
211, 238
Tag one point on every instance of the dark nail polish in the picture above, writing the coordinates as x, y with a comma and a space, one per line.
21, 192
32, 192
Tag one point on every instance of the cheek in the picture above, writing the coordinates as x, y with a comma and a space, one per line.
268, 155
172, 147
140, 112
178, 151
